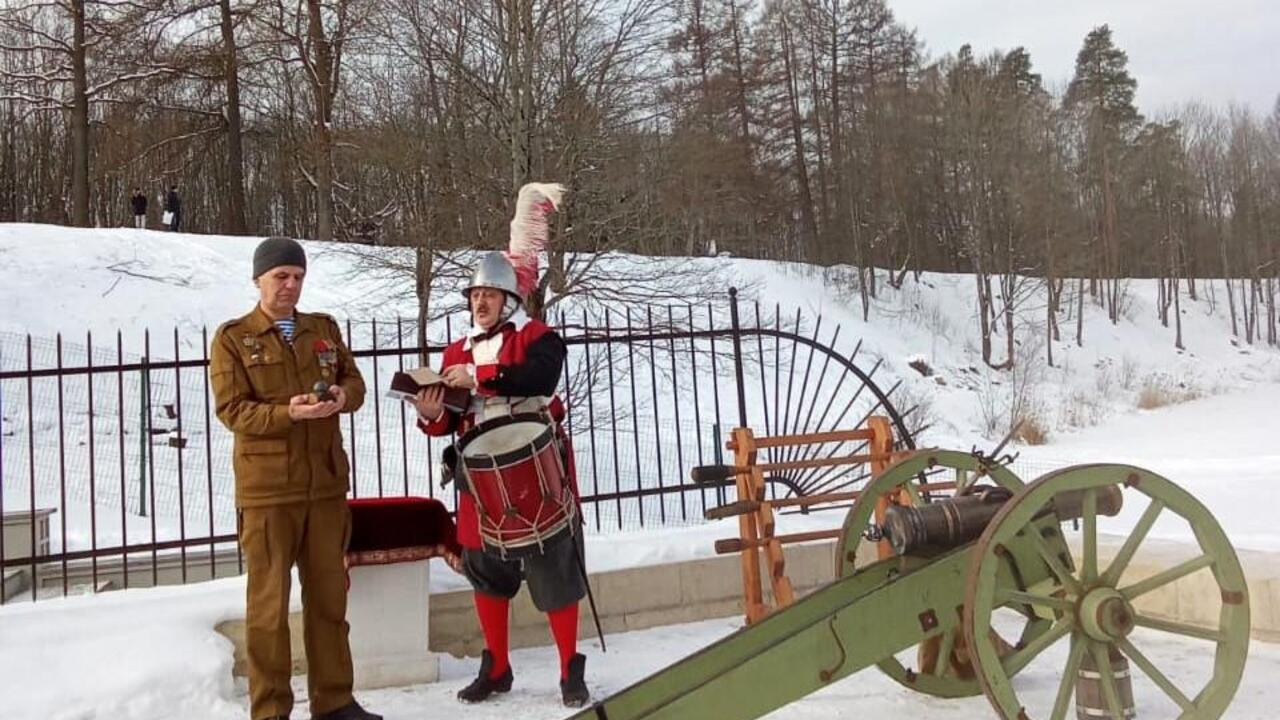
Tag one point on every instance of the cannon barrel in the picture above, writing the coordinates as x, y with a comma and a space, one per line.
952, 522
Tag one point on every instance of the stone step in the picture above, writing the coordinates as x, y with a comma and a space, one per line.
15, 581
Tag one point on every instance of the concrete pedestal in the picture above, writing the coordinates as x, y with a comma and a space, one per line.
387, 609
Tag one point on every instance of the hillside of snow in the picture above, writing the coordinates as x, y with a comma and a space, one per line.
72, 281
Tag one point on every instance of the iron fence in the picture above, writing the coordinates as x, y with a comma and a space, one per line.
114, 472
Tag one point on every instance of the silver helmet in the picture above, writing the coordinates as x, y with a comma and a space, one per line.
494, 271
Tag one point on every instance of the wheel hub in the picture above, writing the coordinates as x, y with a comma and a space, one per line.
1105, 615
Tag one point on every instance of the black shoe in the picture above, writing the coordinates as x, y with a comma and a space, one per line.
350, 711
573, 689
483, 686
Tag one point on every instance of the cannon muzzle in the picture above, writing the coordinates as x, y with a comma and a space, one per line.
955, 521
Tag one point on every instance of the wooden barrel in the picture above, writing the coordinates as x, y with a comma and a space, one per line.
1091, 704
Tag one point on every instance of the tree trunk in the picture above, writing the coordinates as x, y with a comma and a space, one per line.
1162, 302
1050, 325
984, 313
1010, 353
1080, 313
322, 81
8, 168
741, 84
1177, 315
845, 227
1110, 241
235, 203
808, 223
79, 119
1051, 298
423, 275
519, 59
824, 181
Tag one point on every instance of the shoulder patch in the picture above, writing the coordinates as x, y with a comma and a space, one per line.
228, 325
325, 318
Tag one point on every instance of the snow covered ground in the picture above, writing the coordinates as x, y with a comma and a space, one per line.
1222, 449
152, 654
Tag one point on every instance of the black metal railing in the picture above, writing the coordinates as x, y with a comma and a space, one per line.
123, 447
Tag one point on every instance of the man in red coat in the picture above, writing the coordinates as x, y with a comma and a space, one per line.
512, 364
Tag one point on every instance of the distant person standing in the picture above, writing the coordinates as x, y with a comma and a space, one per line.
172, 209
139, 204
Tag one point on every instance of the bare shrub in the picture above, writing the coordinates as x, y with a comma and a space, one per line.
918, 412
1007, 395
1128, 372
1104, 378
1032, 430
1081, 409
1159, 390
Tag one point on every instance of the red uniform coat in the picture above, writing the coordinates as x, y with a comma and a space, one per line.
529, 363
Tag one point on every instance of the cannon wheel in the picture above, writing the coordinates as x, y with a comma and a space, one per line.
902, 481
1093, 607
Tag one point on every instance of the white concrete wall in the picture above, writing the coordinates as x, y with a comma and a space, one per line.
643, 597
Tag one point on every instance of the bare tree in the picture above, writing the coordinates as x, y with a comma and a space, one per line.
71, 57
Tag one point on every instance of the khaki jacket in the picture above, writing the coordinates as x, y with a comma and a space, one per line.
254, 373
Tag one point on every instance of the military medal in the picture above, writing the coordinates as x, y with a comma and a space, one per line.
255, 347
326, 355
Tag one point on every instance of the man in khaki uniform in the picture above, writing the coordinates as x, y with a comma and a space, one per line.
291, 481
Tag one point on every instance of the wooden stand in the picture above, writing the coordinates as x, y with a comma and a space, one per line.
755, 513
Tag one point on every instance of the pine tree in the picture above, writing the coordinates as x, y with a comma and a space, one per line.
1101, 94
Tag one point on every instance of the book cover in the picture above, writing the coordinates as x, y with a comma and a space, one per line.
407, 384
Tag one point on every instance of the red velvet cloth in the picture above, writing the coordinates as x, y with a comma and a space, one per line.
390, 524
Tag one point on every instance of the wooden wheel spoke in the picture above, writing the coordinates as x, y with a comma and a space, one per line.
1018, 597
1178, 628
1102, 662
1089, 519
1122, 558
1161, 579
1156, 676
1055, 563
912, 490
1014, 663
1067, 685
947, 644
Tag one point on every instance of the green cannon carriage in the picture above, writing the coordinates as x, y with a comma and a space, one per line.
980, 583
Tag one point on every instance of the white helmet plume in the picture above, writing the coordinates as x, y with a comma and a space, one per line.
529, 233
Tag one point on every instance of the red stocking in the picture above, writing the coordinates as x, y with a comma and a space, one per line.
495, 623
564, 627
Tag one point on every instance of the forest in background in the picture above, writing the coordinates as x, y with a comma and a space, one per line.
815, 131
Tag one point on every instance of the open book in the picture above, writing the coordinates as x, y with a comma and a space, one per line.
406, 385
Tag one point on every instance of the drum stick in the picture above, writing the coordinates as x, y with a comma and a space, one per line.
591, 598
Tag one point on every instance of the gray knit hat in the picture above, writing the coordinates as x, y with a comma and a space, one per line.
276, 251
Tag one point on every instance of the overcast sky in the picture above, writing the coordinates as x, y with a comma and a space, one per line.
1216, 51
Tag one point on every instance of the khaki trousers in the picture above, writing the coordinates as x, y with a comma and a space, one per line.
314, 536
